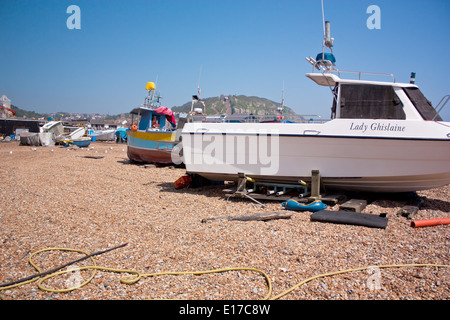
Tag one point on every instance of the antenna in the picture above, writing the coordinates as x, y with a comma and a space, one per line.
198, 82
327, 40
196, 98
156, 83
323, 19
324, 61
280, 108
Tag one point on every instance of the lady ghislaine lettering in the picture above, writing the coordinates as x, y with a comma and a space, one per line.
377, 126
386, 127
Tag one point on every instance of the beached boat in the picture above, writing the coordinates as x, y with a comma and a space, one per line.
72, 133
82, 142
62, 132
154, 136
55, 127
383, 136
102, 135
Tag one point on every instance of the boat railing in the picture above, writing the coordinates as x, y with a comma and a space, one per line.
359, 73
327, 66
312, 118
441, 105
249, 118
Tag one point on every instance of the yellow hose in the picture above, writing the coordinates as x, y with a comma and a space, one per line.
135, 276
353, 270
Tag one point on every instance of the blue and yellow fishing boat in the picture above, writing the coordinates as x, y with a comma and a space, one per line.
153, 134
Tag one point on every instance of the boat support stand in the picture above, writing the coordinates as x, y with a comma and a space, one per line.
276, 190
242, 189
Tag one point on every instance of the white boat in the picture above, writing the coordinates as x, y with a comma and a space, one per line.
63, 132
55, 127
73, 133
102, 135
383, 136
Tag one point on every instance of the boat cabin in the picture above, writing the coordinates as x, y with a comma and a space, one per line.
151, 116
363, 99
153, 119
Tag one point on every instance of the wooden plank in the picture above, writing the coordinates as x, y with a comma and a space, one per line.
264, 216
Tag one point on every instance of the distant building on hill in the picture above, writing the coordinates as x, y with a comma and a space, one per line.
5, 108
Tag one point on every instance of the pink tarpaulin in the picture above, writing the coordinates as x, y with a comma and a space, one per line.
10, 110
168, 113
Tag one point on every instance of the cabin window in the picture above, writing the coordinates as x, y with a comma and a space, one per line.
422, 104
370, 102
156, 121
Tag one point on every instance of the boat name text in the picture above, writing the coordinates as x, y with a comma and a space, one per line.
376, 126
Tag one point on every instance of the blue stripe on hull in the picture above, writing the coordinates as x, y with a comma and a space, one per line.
149, 144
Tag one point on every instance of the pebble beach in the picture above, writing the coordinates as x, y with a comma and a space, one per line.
93, 199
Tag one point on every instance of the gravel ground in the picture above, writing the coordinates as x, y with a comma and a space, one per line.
94, 199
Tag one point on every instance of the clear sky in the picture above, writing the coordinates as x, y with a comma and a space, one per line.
249, 47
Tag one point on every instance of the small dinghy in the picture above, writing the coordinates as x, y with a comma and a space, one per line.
80, 142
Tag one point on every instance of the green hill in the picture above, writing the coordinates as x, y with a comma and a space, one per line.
20, 113
223, 105
229, 104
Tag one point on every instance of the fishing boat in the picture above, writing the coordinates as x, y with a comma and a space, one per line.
383, 136
153, 132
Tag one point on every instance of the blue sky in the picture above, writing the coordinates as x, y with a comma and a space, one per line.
249, 47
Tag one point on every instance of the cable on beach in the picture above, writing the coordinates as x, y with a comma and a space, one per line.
134, 276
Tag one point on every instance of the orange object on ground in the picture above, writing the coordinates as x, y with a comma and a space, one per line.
183, 182
430, 222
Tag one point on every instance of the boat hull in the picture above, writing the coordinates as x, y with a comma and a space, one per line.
396, 184
383, 163
150, 147
81, 143
106, 135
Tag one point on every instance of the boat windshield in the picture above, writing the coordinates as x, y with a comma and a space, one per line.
367, 101
422, 104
